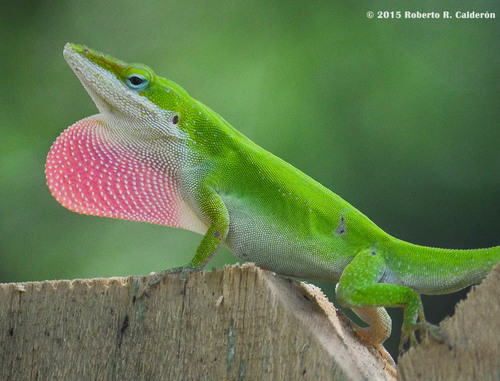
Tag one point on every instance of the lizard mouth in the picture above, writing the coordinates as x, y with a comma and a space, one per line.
96, 73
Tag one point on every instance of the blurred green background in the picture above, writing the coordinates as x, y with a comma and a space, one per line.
399, 117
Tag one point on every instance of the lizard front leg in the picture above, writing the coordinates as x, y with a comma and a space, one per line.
213, 210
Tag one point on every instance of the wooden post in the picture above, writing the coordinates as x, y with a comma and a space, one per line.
238, 323
471, 350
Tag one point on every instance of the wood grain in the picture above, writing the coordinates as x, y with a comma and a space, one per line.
238, 323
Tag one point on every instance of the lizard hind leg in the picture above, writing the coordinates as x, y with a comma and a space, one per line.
360, 290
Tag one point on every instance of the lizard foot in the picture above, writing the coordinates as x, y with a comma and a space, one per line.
157, 278
364, 334
426, 331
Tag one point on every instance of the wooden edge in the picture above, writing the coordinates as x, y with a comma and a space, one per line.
471, 350
241, 322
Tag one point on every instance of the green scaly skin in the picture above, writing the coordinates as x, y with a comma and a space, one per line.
264, 210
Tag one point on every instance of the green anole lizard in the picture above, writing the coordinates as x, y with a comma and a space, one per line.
155, 154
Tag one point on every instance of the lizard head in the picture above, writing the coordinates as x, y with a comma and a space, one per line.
126, 161
132, 92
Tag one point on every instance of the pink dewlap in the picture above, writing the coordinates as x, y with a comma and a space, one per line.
87, 172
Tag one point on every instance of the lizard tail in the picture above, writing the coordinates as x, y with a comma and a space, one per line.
440, 271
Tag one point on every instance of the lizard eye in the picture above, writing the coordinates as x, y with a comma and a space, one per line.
136, 81
137, 77
175, 119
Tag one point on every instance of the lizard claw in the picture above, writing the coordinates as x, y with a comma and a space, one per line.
434, 332
426, 331
157, 278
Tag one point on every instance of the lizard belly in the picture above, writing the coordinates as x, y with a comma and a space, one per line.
254, 237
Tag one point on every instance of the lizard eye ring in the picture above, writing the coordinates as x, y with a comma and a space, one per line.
137, 77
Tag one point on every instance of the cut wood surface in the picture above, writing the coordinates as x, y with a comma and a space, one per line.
472, 347
238, 323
